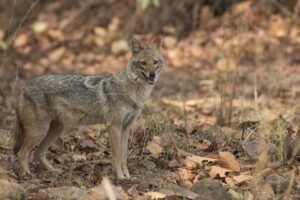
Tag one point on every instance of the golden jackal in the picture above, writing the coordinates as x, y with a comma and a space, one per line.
49, 103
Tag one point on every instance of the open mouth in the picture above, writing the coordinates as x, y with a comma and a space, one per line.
150, 80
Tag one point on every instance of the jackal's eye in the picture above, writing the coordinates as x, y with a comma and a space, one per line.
142, 62
155, 61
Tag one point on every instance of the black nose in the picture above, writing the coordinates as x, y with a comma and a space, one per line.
152, 74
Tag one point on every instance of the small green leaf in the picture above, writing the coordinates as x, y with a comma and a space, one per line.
156, 3
145, 3
3, 45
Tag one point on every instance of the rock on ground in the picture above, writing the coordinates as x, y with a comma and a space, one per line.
279, 184
210, 190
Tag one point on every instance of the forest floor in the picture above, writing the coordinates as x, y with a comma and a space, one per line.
240, 70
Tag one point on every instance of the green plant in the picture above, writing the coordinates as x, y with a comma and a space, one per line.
145, 3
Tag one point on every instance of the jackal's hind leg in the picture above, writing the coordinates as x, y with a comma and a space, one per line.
53, 133
33, 136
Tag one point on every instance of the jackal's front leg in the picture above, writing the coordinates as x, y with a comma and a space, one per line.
124, 150
115, 140
127, 125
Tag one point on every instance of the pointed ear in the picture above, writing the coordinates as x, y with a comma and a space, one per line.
158, 42
135, 46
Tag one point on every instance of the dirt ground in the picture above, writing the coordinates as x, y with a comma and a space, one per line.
226, 107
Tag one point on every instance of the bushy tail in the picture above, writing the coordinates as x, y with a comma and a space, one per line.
18, 134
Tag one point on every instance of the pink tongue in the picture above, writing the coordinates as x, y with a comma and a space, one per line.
150, 81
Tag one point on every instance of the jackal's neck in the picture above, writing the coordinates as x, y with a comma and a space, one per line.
127, 75
133, 85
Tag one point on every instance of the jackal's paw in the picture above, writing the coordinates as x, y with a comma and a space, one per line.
23, 173
120, 175
126, 173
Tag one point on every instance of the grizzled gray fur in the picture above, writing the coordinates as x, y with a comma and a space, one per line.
49, 103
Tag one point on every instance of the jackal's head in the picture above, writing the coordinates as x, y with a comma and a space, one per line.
146, 62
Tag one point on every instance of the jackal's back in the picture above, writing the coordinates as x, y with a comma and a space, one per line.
76, 99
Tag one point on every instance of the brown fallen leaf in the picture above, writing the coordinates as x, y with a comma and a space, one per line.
88, 144
11, 190
200, 160
276, 29
203, 144
178, 104
57, 54
262, 161
138, 137
164, 140
216, 170
109, 189
100, 31
114, 24
78, 157
156, 139
248, 195
63, 158
155, 195
7, 175
241, 178
226, 64
229, 181
21, 40
169, 41
186, 174
56, 35
39, 27
190, 164
154, 148
133, 192
227, 160
100, 193
206, 14
241, 7
100, 42
177, 191
2, 33
63, 193
228, 131
119, 47
266, 192
173, 163
184, 153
